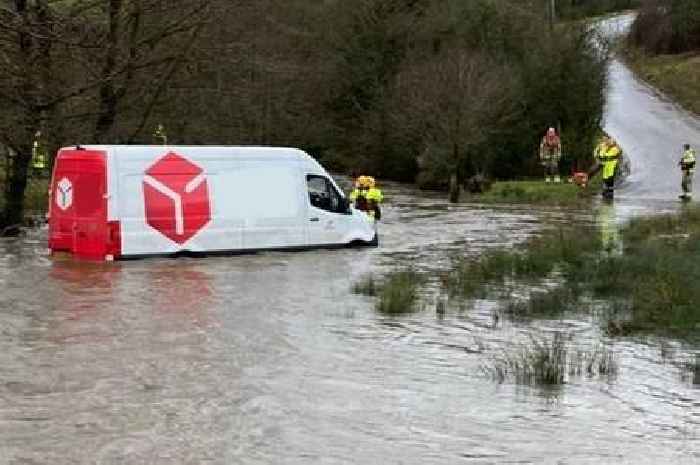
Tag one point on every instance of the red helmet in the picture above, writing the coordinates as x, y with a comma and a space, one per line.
552, 137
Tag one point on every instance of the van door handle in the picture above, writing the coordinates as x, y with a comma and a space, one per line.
314, 219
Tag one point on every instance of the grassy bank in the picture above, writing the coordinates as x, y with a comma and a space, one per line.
645, 277
675, 75
537, 192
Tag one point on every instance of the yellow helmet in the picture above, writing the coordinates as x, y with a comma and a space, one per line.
364, 182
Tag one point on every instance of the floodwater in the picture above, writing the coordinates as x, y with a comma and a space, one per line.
270, 358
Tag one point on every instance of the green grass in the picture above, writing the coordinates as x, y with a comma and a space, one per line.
534, 192
656, 276
650, 285
534, 260
551, 363
397, 292
675, 75
542, 304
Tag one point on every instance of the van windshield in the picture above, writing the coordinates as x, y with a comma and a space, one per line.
323, 194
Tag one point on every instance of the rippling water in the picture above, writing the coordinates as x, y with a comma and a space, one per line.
270, 359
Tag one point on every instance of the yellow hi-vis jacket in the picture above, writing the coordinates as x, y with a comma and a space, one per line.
688, 161
38, 156
609, 158
372, 195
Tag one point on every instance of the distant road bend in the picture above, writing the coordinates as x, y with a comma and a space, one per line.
649, 126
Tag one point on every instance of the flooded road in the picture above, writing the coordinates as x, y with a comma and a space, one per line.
271, 359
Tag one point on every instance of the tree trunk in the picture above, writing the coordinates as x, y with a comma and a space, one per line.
12, 215
108, 92
455, 188
455, 184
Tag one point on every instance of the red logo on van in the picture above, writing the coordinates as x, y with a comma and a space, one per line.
176, 195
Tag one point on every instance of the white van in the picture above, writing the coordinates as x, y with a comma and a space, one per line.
116, 201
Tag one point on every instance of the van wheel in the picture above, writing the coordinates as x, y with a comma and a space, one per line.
358, 243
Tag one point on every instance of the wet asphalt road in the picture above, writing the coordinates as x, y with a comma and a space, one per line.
650, 128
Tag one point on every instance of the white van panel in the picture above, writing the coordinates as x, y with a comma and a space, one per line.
267, 196
257, 199
261, 191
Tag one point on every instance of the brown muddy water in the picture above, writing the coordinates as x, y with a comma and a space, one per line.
270, 359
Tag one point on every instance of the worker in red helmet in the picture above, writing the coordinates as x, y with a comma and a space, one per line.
550, 154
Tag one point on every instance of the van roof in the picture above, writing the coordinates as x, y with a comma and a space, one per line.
254, 150
257, 149
288, 153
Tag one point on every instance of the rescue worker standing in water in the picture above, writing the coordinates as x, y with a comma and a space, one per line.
687, 165
550, 154
608, 155
367, 197
39, 156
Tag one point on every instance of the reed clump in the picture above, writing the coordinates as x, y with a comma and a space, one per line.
541, 304
552, 362
397, 291
367, 285
691, 368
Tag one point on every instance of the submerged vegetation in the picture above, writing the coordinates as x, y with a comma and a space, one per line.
555, 250
397, 292
541, 304
691, 370
647, 277
551, 362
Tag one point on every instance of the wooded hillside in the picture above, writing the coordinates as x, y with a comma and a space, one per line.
404, 89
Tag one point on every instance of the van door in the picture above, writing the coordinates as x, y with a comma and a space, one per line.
329, 220
78, 210
91, 210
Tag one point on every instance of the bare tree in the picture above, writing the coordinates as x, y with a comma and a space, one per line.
67, 64
25, 79
455, 99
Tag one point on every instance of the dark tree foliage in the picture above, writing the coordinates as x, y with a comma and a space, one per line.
583, 8
431, 89
667, 26
552, 78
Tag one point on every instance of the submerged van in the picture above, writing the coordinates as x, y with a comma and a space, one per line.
115, 201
